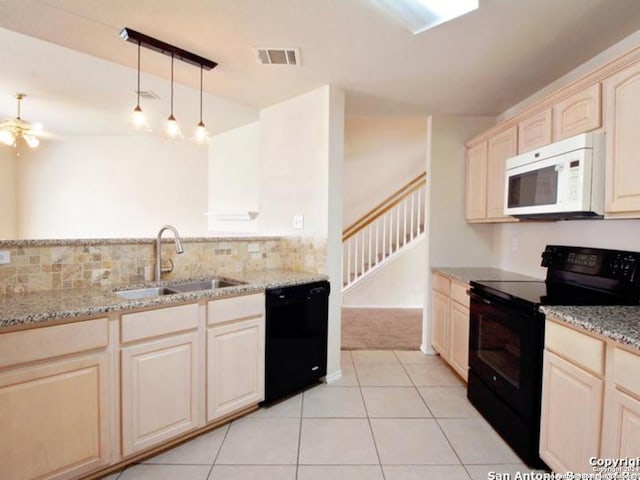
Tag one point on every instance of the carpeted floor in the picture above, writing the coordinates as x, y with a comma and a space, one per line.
381, 328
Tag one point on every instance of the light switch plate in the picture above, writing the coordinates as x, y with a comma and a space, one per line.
298, 222
5, 257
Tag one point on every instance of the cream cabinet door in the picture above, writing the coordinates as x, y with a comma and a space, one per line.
534, 131
499, 148
54, 419
440, 323
235, 366
476, 183
160, 394
571, 415
577, 114
622, 117
622, 426
459, 334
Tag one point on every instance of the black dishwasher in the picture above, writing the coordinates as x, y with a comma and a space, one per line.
296, 338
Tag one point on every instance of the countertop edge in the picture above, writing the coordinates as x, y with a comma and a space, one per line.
620, 324
106, 301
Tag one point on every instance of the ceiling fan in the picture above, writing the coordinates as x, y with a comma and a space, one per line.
16, 130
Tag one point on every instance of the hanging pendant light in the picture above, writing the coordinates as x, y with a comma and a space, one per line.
173, 129
202, 136
137, 117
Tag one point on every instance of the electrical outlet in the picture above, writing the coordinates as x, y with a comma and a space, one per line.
514, 244
5, 257
298, 222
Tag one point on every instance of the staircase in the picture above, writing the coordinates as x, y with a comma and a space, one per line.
384, 232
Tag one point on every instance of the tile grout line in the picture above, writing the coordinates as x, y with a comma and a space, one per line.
304, 393
373, 436
415, 386
215, 458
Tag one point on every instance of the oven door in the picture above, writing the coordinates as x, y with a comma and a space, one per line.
505, 351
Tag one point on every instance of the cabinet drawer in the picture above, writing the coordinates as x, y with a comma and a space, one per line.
583, 350
441, 284
223, 310
626, 366
153, 323
459, 293
46, 342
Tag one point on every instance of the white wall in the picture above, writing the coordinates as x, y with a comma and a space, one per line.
518, 246
8, 207
334, 224
301, 158
294, 152
104, 187
234, 178
451, 240
382, 153
398, 284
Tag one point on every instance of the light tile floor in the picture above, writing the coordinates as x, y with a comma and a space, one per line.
393, 415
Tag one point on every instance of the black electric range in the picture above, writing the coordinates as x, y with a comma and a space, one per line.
506, 333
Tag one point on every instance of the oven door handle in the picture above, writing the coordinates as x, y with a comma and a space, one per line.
478, 297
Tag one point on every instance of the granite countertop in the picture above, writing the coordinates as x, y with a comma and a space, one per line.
19, 310
467, 274
618, 323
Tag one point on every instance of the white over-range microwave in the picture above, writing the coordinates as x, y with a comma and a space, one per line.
564, 180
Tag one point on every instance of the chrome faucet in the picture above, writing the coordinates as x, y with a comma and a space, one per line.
179, 249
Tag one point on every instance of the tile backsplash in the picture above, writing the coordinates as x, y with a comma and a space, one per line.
38, 265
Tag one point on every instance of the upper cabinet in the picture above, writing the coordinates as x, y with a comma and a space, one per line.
484, 190
476, 183
534, 131
499, 147
577, 114
622, 104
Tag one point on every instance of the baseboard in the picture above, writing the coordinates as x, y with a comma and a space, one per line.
333, 377
427, 350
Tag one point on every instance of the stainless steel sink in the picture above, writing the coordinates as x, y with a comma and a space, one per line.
203, 285
145, 292
177, 288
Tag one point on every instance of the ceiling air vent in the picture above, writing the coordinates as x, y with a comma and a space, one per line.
149, 95
278, 56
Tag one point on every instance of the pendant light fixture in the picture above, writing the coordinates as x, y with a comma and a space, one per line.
202, 136
173, 129
142, 40
137, 117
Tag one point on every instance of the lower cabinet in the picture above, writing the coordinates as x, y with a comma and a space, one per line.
55, 414
440, 323
622, 440
160, 376
590, 400
621, 428
571, 415
459, 345
235, 355
450, 322
59, 385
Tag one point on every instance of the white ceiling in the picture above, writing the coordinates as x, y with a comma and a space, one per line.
481, 63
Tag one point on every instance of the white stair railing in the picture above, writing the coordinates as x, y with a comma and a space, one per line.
380, 234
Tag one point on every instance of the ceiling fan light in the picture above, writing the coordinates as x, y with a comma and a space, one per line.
7, 137
31, 140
